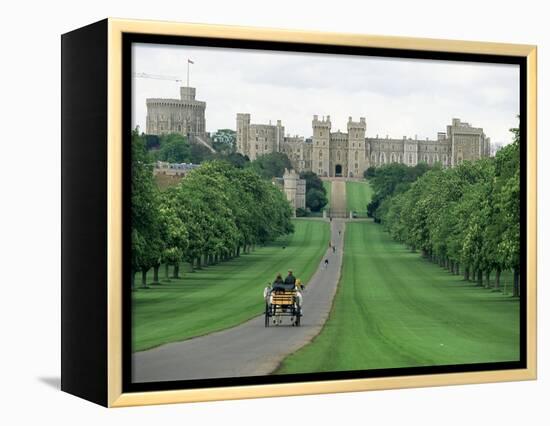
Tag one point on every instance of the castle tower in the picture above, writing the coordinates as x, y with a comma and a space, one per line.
243, 131
185, 116
320, 163
357, 157
295, 189
467, 142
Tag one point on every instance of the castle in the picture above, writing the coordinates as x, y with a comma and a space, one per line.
339, 154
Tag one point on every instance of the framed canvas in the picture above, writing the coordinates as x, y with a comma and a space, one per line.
243, 217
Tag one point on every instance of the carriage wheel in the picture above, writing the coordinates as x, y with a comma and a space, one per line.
266, 315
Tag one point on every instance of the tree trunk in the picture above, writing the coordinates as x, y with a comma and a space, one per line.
238, 251
479, 278
497, 279
176, 271
516, 283
466, 273
156, 274
457, 268
199, 266
488, 278
144, 278
166, 272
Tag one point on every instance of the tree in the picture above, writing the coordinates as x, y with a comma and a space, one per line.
199, 153
224, 141
271, 165
467, 216
370, 172
236, 159
146, 230
174, 148
316, 199
316, 193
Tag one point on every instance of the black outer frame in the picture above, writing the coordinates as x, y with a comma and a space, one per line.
129, 38
84, 212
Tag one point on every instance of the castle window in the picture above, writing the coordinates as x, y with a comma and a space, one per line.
410, 159
356, 155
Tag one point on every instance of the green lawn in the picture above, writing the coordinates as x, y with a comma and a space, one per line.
226, 294
358, 195
328, 186
394, 309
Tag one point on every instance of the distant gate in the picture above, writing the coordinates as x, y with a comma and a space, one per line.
338, 213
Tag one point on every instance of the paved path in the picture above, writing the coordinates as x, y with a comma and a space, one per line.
250, 349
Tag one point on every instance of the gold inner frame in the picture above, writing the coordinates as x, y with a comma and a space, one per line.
116, 27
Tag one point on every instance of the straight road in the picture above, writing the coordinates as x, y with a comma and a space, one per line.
251, 349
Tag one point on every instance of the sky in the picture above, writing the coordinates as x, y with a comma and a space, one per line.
398, 97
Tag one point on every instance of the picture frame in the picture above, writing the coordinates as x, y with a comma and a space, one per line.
96, 352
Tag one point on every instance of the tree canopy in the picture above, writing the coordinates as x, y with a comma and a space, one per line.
316, 194
216, 211
468, 215
270, 165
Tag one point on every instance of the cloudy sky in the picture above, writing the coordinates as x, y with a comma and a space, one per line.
398, 97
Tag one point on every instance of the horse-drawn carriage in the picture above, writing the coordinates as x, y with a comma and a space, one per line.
282, 303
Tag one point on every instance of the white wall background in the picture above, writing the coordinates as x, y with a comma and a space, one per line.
30, 200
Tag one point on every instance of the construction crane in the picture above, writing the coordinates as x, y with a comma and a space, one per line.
164, 77
156, 77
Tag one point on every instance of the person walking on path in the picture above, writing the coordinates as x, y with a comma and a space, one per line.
326, 263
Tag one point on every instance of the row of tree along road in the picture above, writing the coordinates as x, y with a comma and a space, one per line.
465, 218
214, 214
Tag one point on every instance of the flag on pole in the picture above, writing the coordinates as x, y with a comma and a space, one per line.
190, 61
